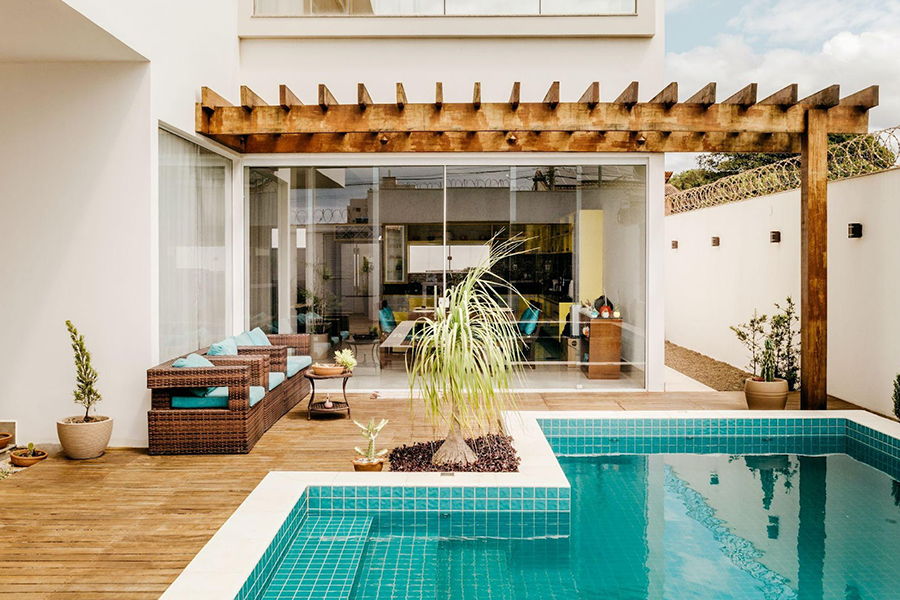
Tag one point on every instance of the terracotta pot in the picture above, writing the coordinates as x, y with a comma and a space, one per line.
26, 461
361, 464
5, 439
84, 440
766, 395
327, 369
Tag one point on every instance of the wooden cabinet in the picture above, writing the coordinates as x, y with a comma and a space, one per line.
604, 349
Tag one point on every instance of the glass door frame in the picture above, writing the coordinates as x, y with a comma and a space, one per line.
652, 379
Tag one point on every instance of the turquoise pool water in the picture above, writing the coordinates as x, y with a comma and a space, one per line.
690, 516
670, 526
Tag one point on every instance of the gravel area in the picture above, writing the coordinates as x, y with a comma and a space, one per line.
708, 371
495, 455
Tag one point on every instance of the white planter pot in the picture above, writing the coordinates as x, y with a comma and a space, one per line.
766, 395
84, 440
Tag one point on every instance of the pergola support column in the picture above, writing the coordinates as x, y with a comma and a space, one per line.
814, 262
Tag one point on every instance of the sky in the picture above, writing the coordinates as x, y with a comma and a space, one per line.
814, 43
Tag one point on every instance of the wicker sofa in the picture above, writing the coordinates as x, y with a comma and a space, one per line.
263, 383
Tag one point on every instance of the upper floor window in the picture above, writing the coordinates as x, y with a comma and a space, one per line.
391, 8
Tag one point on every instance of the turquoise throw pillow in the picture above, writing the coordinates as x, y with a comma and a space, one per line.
244, 339
259, 338
194, 361
226, 347
528, 324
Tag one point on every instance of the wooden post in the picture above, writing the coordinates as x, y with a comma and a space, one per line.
814, 262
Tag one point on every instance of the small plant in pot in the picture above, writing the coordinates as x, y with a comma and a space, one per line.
766, 392
84, 436
25, 457
369, 459
344, 362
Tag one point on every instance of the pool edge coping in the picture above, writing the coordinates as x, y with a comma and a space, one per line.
221, 568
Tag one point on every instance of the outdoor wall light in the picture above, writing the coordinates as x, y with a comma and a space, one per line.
854, 231
674, 244
775, 237
715, 242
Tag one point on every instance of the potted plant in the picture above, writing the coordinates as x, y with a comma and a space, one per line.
369, 459
25, 457
5, 439
84, 436
319, 300
344, 362
766, 392
465, 360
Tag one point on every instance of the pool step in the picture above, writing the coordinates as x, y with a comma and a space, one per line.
399, 567
322, 561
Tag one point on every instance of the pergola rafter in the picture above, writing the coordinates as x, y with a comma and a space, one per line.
742, 123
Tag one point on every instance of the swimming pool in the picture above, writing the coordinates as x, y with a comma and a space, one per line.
650, 507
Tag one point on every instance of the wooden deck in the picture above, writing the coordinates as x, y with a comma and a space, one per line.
122, 527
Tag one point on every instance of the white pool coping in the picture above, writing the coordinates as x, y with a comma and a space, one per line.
223, 565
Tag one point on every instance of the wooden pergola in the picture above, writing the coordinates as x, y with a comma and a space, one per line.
781, 123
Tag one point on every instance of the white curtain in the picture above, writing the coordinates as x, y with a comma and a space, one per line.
194, 196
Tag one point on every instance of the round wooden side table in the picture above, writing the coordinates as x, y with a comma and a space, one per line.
337, 406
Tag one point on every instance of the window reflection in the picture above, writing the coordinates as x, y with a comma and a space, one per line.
294, 8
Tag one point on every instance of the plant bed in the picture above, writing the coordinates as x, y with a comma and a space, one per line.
495, 455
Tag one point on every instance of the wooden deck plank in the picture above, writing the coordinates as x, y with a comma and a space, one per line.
125, 525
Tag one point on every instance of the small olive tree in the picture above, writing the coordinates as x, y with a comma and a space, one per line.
86, 393
466, 359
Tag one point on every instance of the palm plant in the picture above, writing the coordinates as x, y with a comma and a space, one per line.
467, 358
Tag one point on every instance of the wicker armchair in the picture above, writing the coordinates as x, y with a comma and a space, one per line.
206, 431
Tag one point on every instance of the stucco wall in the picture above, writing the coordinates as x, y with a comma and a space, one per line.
75, 239
708, 289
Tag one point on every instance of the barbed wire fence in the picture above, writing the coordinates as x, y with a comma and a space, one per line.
863, 155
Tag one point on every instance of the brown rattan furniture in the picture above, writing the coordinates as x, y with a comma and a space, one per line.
219, 430
319, 407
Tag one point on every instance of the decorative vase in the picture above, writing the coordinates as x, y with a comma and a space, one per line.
363, 464
84, 440
766, 395
26, 461
327, 370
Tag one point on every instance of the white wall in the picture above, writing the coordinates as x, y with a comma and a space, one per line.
74, 237
708, 289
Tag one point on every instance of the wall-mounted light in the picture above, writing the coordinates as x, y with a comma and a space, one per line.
715, 242
674, 244
775, 237
854, 231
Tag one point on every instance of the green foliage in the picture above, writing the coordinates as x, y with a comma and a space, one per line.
691, 178
319, 299
752, 334
466, 359
767, 362
784, 331
370, 432
345, 358
897, 397
85, 393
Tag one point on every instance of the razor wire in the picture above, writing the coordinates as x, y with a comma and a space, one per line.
863, 155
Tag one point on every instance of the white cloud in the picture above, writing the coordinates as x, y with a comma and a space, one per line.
801, 22
853, 60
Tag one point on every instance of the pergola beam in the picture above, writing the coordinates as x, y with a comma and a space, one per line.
567, 116
629, 97
745, 98
286, 98
438, 95
401, 96
827, 98
863, 100
591, 96
476, 96
551, 99
363, 99
668, 97
515, 95
705, 97
326, 99
250, 100
514, 141
785, 97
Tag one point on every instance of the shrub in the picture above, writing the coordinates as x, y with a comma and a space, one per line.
86, 393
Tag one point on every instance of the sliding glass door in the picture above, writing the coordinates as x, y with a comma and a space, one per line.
355, 256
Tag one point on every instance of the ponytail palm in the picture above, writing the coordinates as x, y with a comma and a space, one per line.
467, 358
